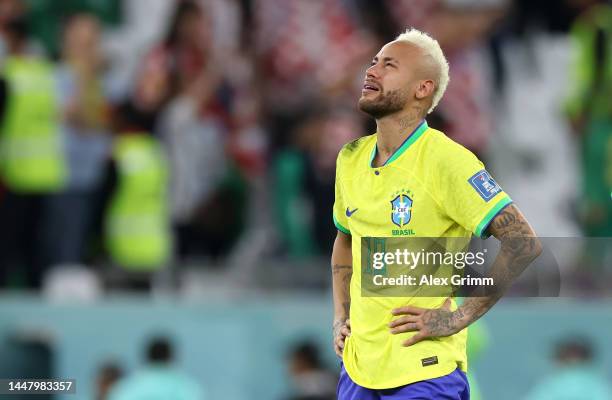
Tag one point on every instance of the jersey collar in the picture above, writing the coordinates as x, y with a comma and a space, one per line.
413, 137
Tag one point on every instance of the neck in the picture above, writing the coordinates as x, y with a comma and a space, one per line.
393, 130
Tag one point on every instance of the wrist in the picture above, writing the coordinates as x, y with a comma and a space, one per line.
462, 320
340, 318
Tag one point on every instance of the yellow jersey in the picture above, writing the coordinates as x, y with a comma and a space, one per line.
430, 187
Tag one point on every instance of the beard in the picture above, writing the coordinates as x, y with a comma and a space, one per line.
384, 104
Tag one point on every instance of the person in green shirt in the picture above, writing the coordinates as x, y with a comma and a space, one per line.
160, 379
575, 376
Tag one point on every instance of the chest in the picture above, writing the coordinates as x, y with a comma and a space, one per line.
391, 202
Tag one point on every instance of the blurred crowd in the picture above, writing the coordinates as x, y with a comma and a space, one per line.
141, 134
574, 373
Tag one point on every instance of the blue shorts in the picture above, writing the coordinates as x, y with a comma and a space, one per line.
453, 386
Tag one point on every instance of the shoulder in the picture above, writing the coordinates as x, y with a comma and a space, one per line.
356, 149
123, 389
443, 151
185, 384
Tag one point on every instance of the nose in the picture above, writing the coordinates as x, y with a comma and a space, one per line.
372, 71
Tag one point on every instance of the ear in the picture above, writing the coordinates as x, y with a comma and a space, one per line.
425, 89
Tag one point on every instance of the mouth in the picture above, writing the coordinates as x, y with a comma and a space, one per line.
370, 87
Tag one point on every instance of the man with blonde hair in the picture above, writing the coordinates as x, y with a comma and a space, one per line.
410, 180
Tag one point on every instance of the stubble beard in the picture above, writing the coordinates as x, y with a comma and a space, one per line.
384, 104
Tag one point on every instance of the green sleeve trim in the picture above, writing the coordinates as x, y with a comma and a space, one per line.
484, 224
340, 227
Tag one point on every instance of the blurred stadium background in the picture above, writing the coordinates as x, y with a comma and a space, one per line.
172, 193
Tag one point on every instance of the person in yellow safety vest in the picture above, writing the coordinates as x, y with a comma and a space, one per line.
32, 162
31, 155
137, 226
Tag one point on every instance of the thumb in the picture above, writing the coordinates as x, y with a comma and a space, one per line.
447, 304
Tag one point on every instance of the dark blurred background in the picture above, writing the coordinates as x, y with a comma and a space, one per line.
168, 166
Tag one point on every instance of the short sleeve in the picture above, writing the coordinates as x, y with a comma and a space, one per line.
340, 218
468, 193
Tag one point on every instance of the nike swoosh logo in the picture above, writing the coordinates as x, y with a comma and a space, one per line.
349, 213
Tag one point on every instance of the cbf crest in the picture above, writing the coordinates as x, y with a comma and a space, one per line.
401, 208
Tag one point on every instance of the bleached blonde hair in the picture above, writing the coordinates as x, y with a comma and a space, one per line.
430, 48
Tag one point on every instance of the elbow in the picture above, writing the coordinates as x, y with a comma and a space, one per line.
539, 247
535, 248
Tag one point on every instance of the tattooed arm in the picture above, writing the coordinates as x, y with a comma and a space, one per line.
342, 270
519, 247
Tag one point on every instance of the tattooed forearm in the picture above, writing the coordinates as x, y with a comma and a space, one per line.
473, 308
342, 272
341, 276
341, 269
519, 247
346, 306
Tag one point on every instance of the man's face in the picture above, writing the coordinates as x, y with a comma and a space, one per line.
390, 81
82, 36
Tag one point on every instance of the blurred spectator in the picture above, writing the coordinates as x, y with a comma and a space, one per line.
87, 139
198, 161
183, 58
304, 176
32, 160
17, 10
207, 197
47, 18
108, 375
461, 28
207, 192
590, 112
10, 10
159, 379
136, 220
137, 223
310, 53
311, 381
575, 376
